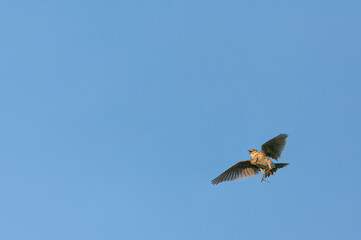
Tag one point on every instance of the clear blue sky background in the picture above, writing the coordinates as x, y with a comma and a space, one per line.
116, 115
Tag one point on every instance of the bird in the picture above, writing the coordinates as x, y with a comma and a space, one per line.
260, 161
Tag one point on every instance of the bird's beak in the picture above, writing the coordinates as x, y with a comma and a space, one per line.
249, 151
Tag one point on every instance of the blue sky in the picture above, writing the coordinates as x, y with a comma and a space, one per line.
116, 115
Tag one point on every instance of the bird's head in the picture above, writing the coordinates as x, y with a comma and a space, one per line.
252, 151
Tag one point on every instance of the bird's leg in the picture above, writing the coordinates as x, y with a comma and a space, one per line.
263, 176
268, 171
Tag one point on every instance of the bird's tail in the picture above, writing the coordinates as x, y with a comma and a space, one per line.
273, 170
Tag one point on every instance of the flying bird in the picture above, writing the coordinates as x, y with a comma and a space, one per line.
260, 161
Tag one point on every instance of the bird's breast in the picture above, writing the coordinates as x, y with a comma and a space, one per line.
261, 160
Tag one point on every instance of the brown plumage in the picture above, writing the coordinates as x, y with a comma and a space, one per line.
259, 162
242, 169
273, 170
274, 147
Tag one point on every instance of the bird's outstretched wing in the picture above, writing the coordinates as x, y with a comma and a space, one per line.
273, 148
242, 169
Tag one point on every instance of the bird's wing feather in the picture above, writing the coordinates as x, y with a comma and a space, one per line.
277, 166
242, 169
273, 148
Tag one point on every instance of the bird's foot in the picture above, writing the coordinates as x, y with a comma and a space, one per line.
264, 180
268, 172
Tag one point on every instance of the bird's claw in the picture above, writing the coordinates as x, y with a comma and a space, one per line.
268, 172
264, 180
